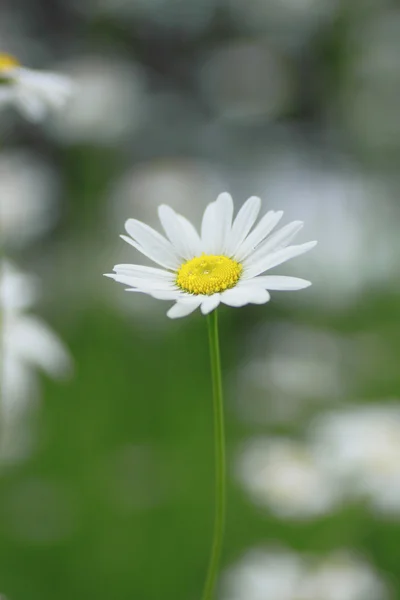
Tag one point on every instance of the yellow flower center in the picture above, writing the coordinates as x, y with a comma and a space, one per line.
208, 274
7, 62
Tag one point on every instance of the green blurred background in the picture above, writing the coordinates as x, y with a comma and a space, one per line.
178, 100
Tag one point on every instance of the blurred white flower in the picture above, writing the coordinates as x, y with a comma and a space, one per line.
362, 445
27, 344
342, 576
263, 575
109, 103
179, 181
337, 200
34, 93
288, 478
28, 193
278, 574
293, 367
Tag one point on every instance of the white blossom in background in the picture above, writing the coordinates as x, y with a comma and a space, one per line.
287, 478
288, 369
362, 445
184, 182
27, 345
342, 576
282, 574
29, 188
270, 574
332, 200
33, 93
109, 103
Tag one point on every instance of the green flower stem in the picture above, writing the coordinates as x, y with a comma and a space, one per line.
1, 352
220, 467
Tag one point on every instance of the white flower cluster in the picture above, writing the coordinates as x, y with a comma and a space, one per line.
361, 445
351, 454
27, 192
287, 477
280, 574
27, 343
33, 93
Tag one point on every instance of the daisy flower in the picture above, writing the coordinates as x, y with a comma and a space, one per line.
224, 263
280, 574
27, 344
34, 93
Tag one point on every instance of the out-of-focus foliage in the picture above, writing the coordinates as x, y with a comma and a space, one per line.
295, 101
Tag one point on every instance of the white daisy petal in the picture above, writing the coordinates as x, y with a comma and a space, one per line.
159, 294
209, 228
192, 236
34, 93
32, 333
53, 89
27, 344
225, 206
260, 232
130, 241
176, 231
182, 309
242, 295
31, 106
210, 303
216, 224
142, 271
7, 95
280, 239
150, 254
142, 283
280, 282
154, 245
283, 237
244, 221
164, 294
276, 258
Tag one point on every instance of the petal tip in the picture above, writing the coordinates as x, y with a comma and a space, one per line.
224, 196
163, 207
172, 314
255, 200
128, 222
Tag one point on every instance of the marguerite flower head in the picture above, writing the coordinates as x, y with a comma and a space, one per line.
34, 93
225, 263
